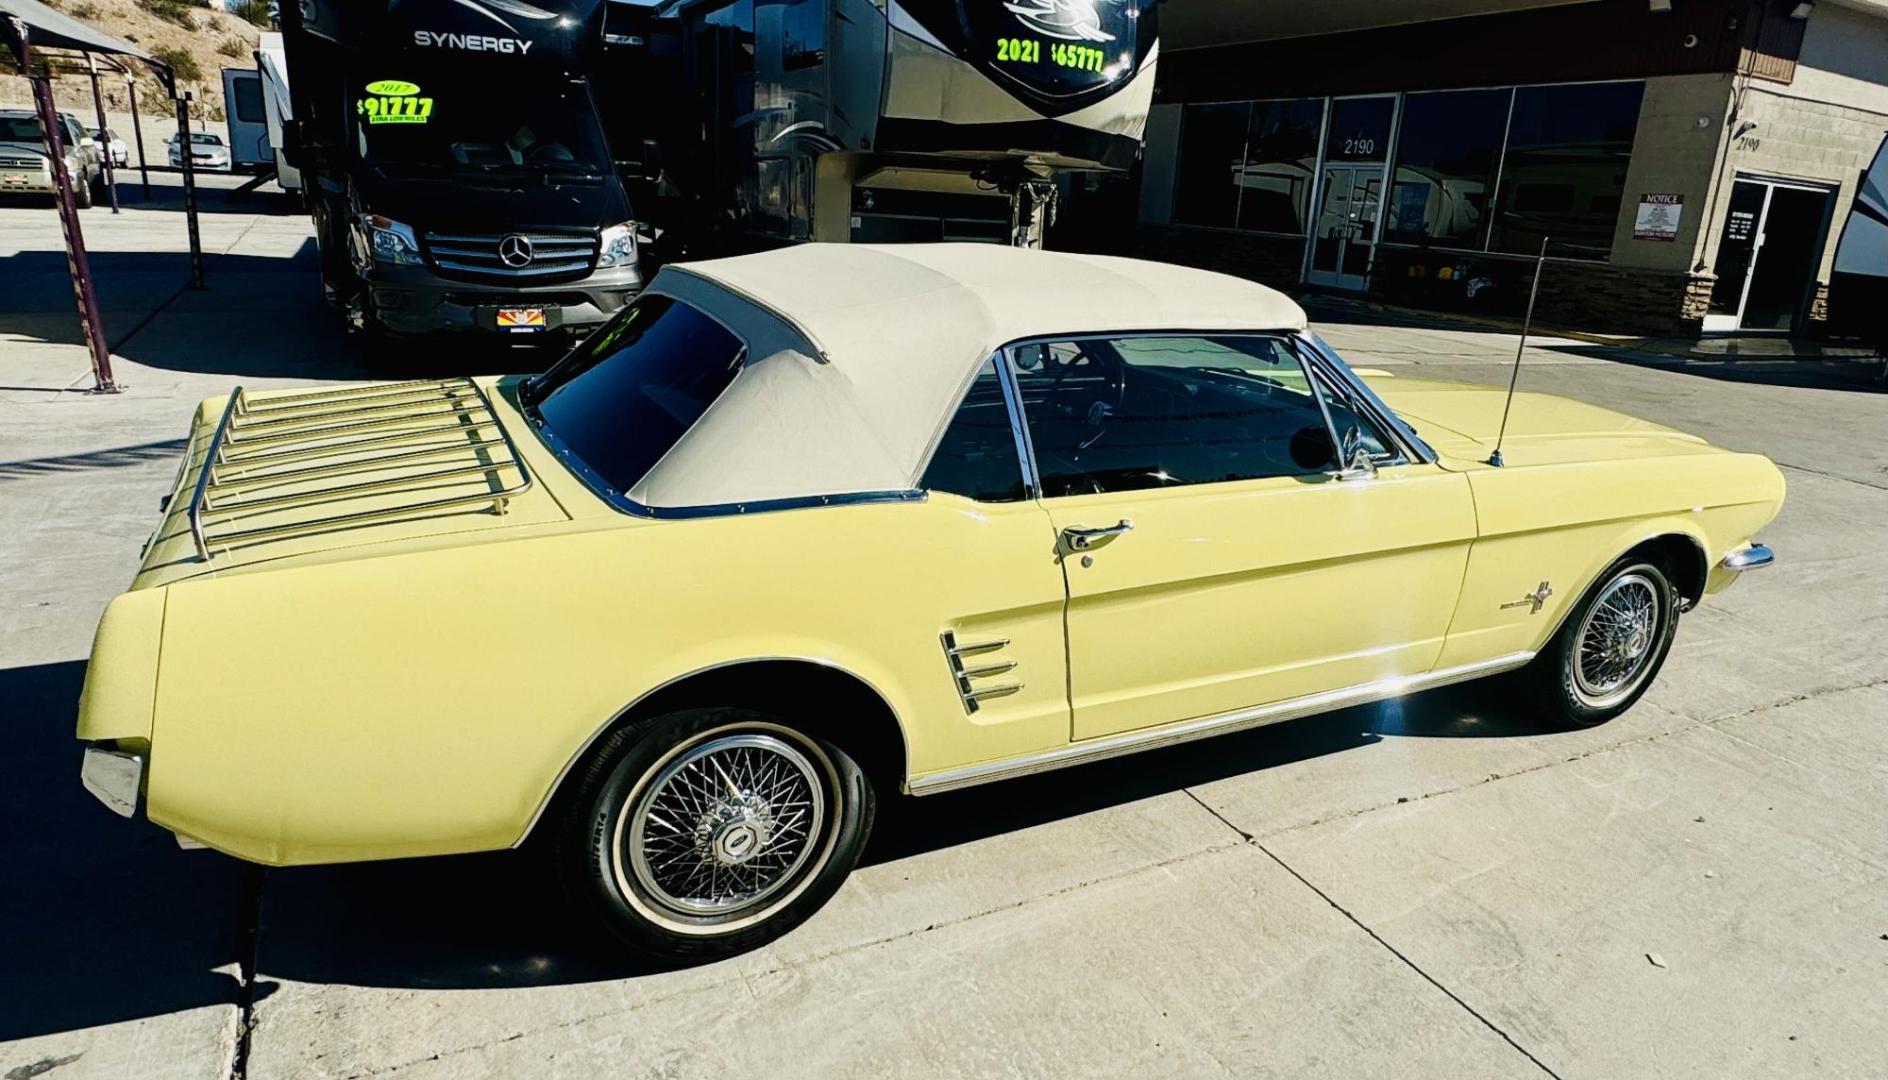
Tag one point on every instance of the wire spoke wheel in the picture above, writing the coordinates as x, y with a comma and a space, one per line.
718, 830
1617, 640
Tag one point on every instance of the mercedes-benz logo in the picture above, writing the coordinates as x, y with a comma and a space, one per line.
515, 251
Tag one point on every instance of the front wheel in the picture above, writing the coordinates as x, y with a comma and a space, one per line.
1612, 645
706, 832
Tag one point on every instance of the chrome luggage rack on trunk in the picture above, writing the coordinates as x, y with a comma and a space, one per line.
346, 434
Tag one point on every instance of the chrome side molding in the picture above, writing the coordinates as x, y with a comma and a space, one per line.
1080, 753
1754, 557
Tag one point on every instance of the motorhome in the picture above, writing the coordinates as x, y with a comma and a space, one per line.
456, 167
900, 120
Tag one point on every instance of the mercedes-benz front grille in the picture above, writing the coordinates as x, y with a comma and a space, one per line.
514, 256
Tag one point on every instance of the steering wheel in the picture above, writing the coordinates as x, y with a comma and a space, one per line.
1101, 408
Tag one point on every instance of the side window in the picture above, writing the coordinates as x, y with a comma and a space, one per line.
976, 458
1124, 414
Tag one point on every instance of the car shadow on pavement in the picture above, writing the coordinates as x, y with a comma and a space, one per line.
484, 921
101, 920
910, 827
107, 920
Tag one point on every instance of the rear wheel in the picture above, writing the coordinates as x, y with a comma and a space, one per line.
1612, 645
702, 833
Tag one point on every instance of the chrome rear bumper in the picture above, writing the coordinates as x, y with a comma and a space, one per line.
114, 777
1754, 557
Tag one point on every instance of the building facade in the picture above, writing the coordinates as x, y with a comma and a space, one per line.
1685, 166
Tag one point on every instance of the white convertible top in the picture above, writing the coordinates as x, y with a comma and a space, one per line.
858, 354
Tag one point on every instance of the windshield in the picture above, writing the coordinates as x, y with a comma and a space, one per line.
492, 124
626, 396
20, 129
205, 140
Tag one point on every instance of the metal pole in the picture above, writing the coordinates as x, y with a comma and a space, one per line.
137, 133
104, 136
190, 187
77, 265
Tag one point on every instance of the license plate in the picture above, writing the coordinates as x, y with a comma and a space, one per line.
14, 179
521, 320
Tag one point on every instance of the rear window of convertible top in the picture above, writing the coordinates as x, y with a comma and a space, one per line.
629, 393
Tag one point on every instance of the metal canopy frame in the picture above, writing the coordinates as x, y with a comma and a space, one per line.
79, 49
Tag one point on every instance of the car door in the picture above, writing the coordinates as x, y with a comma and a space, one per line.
1215, 558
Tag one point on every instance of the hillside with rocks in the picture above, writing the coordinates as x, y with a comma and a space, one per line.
198, 42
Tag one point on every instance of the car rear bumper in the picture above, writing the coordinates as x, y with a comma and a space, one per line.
114, 777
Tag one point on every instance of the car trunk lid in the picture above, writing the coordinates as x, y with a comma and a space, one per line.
274, 475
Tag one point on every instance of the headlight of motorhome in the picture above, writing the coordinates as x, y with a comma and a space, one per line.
393, 242
618, 247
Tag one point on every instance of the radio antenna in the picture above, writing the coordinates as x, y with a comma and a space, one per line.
1515, 376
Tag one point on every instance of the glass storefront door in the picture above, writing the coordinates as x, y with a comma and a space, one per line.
1768, 254
1348, 209
1350, 191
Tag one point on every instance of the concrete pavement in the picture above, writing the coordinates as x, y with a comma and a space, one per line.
1432, 887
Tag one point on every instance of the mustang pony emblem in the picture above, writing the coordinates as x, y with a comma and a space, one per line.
1535, 600
1070, 20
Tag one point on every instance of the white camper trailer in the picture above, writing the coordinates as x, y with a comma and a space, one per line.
249, 147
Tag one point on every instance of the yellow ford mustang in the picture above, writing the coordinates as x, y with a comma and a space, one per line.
800, 527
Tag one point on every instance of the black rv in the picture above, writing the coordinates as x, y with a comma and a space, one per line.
455, 165
898, 120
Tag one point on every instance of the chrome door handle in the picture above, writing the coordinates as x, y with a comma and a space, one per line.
1083, 539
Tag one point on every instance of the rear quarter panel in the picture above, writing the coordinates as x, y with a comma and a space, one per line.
1564, 524
425, 703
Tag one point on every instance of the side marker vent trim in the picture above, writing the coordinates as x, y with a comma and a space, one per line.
969, 691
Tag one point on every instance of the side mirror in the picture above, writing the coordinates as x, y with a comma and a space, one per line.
1354, 457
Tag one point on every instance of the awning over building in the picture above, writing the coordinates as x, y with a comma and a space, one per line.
1189, 24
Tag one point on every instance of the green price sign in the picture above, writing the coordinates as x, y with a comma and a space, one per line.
1061, 54
393, 101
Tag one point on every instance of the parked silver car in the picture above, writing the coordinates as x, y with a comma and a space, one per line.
107, 138
25, 163
207, 151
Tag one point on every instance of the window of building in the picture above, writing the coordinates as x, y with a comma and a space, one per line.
1564, 175
977, 456
1212, 155
1446, 160
1360, 129
1280, 164
1126, 414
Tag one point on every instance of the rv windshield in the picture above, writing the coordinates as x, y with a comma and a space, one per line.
458, 125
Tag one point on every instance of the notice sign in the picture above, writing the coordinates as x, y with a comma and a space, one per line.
1658, 217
